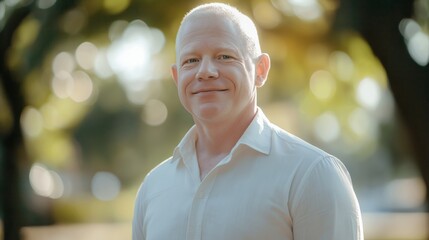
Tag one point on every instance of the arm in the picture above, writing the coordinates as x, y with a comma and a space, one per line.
326, 206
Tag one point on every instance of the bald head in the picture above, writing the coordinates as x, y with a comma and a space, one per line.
242, 23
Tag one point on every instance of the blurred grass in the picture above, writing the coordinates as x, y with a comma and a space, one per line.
377, 226
396, 226
106, 231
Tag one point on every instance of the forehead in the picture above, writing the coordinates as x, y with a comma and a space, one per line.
208, 28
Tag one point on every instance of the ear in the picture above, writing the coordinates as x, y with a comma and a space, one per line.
174, 73
262, 68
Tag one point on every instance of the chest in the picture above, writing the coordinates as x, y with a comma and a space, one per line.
239, 204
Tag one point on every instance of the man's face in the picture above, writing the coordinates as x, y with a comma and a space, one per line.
214, 73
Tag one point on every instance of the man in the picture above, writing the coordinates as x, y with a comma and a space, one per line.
234, 175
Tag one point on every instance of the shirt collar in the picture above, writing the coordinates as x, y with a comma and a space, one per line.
256, 136
186, 147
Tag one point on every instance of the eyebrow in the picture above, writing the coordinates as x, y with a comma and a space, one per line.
192, 51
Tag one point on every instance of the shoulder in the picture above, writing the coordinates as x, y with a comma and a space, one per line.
325, 180
161, 170
159, 178
311, 165
286, 143
165, 174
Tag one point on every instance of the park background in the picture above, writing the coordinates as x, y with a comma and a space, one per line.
88, 107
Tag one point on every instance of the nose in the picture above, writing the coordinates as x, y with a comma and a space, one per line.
207, 69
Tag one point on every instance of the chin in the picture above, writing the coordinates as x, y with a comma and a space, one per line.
209, 114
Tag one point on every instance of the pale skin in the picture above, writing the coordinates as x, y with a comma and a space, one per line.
217, 80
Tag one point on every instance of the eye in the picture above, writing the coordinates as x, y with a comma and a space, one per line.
224, 57
190, 61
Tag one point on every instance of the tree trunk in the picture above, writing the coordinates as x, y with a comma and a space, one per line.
14, 152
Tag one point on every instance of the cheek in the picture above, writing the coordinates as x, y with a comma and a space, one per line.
183, 85
184, 100
244, 81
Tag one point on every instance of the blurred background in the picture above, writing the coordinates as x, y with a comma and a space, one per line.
87, 105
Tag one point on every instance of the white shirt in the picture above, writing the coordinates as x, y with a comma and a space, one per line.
271, 186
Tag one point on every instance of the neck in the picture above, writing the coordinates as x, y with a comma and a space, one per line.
215, 140
218, 139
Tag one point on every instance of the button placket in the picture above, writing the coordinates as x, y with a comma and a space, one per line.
196, 214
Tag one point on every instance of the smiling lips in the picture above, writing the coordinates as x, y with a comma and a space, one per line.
209, 91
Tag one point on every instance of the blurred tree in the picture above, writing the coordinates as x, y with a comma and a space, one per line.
379, 22
14, 157
13, 152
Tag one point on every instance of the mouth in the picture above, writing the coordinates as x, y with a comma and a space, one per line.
209, 91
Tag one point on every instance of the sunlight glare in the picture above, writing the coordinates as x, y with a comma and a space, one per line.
130, 56
362, 124
408, 28
60, 84
85, 55
82, 87
31, 122
101, 66
418, 47
77, 86
386, 109
323, 85
105, 186
342, 65
45, 182
368, 93
154, 112
63, 62
116, 29
416, 39
327, 127
307, 10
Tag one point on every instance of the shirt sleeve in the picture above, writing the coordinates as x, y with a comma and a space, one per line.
326, 206
137, 225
